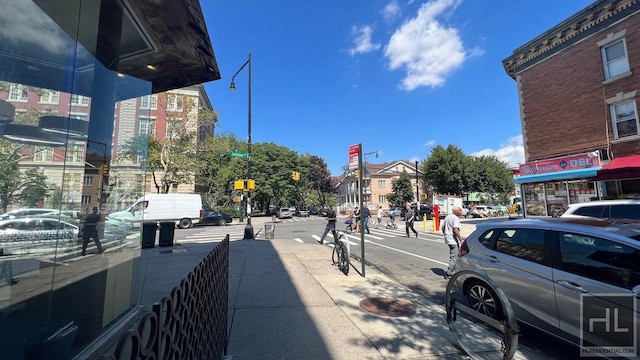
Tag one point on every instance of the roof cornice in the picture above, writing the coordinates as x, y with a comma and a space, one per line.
594, 18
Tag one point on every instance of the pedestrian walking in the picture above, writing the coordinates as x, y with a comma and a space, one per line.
452, 237
331, 225
409, 217
356, 216
366, 215
90, 231
379, 215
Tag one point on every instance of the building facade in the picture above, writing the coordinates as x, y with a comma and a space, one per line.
578, 93
376, 185
77, 79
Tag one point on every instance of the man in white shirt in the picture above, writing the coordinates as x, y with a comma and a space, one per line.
452, 237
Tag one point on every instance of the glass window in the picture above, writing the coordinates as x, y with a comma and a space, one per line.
485, 239
382, 198
88, 181
625, 119
174, 102
50, 97
79, 100
149, 102
625, 211
18, 93
86, 199
382, 184
614, 59
147, 125
592, 211
526, 244
600, 259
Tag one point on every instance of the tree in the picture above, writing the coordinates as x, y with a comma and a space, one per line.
447, 170
401, 190
320, 178
491, 175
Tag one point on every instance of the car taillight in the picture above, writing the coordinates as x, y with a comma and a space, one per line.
201, 213
464, 249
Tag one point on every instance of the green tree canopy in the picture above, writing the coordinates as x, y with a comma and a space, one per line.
401, 190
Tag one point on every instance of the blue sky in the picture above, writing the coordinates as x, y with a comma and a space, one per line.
397, 76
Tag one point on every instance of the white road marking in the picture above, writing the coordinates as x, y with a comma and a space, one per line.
407, 253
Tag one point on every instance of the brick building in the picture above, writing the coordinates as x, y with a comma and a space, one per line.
577, 90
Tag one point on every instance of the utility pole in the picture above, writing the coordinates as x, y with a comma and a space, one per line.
417, 187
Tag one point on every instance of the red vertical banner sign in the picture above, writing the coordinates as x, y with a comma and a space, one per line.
354, 151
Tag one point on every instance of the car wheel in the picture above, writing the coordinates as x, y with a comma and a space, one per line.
484, 300
184, 223
222, 222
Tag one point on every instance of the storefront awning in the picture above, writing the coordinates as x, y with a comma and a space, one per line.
626, 167
558, 175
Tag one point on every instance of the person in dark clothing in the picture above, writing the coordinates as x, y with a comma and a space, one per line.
331, 225
90, 231
409, 217
366, 215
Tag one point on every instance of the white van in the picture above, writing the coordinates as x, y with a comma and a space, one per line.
185, 209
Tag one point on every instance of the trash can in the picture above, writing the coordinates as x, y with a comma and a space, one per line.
41, 345
269, 231
149, 234
167, 232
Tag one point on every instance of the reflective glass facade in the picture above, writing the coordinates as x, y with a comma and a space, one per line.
59, 105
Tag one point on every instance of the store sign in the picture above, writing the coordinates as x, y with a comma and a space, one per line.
565, 163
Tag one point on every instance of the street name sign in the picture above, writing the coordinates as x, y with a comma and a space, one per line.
243, 155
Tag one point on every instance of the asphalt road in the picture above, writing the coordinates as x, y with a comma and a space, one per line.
418, 263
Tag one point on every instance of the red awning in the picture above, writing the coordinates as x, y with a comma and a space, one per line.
626, 167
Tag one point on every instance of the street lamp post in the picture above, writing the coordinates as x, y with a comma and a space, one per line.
248, 230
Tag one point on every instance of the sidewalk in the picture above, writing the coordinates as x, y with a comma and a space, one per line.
287, 301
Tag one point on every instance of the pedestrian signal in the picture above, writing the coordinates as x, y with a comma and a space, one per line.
103, 169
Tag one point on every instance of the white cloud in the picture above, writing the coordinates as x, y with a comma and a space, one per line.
426, 49
391, 11
430, 143
362, 40
511, 151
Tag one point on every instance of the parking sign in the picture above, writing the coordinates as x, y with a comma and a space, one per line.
354, 150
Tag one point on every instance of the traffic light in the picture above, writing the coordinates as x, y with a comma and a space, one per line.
238, 185
249, 184
357, 174
295, 175
103, 169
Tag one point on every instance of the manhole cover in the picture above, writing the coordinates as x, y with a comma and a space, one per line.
172, 251
385, 306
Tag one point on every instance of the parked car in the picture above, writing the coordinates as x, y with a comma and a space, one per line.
13, 214
551, 268
302, 212
396, 211
284, 213
313, 210
29, 234
605, 209
481, 211
215, 217
425, 210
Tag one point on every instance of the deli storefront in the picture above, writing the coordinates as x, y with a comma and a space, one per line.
549, 186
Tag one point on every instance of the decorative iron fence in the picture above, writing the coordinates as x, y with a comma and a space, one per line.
191, 323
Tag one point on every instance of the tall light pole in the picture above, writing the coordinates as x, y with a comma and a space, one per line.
248, 230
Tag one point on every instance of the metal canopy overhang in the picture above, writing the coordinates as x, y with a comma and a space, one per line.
123, 36
559, 175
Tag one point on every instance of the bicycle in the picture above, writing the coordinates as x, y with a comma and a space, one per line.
351, 225
341, 251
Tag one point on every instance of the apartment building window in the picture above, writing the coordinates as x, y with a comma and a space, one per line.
625, 119
19, 93
41, 153
149, 102
50, 97
86, 199
382, 184
88, 181
614, 55
79, 100
147, 125
382, 199
174, 102
74, 154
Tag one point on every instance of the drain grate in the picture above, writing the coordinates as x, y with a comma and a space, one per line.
385, 306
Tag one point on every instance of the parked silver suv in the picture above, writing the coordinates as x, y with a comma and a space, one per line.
605, 209
554, 272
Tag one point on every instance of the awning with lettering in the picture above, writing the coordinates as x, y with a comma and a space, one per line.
558, 175
626, 167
